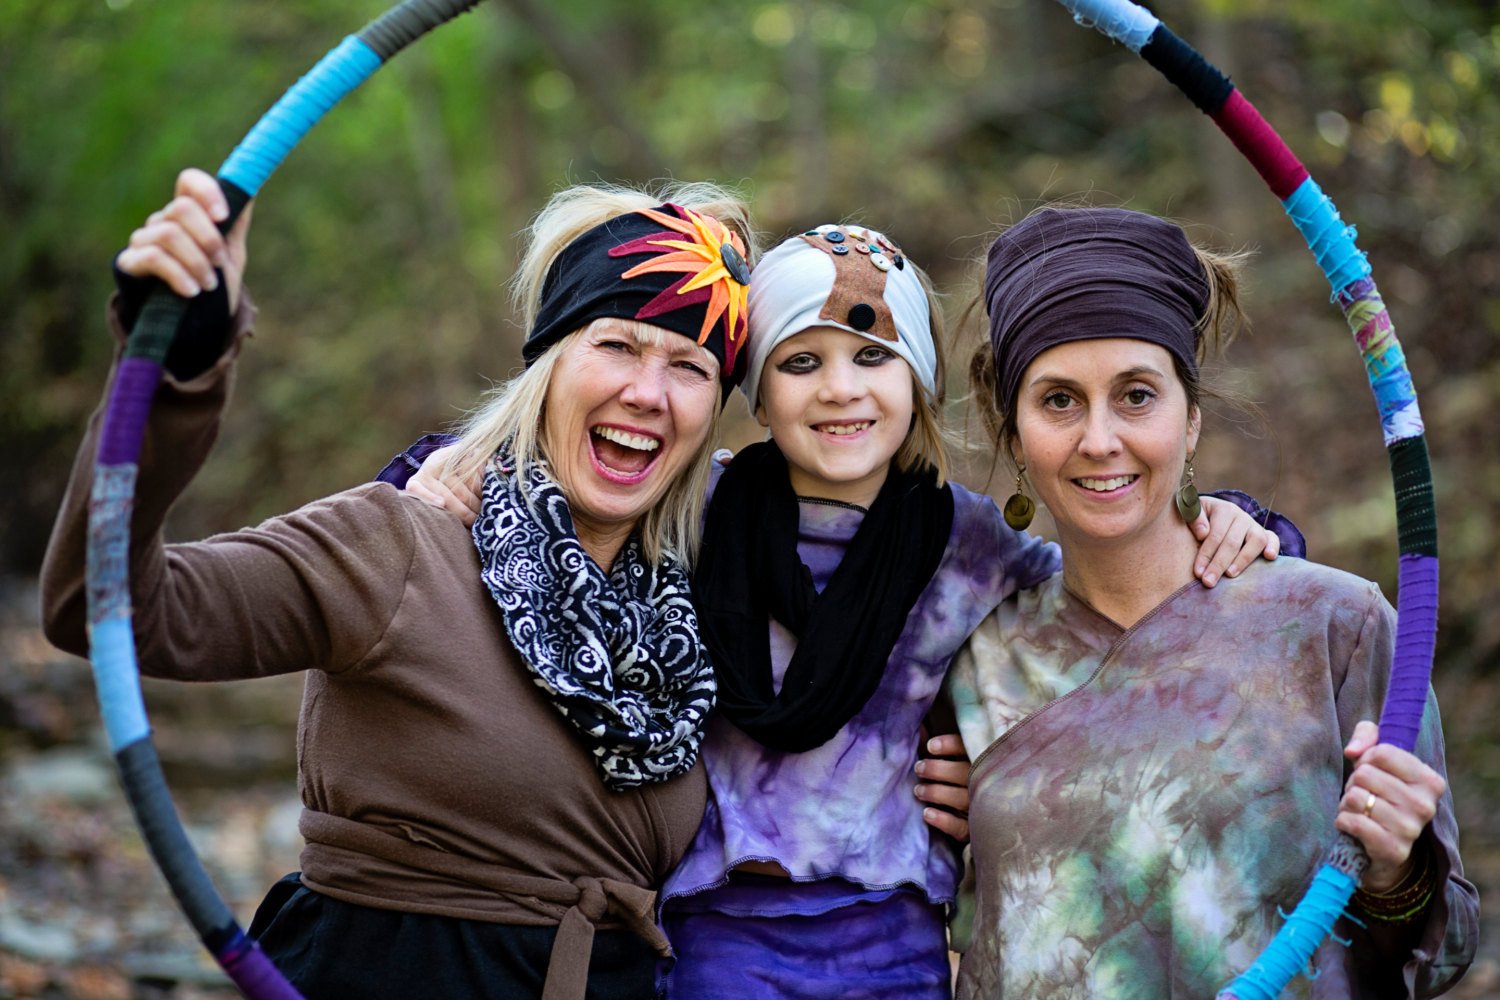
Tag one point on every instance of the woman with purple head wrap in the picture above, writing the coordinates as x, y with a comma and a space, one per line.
1157, 764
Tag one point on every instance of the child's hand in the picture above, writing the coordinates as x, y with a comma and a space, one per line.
1388, 801
944, 782
1232, 540
450, 494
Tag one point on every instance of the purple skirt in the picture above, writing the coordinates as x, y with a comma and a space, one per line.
893, 949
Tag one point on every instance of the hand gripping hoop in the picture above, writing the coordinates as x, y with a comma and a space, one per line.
111, 639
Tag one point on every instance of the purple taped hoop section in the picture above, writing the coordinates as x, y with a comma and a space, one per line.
254, 973
125, 416
1411, 671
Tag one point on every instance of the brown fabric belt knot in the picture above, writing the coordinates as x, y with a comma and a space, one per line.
568, 968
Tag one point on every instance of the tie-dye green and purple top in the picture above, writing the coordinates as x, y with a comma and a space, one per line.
1144, 798
843, 819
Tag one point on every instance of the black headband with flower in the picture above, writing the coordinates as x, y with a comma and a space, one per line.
692, 279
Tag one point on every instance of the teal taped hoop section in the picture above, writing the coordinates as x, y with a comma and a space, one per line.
299, 109
117, 677
1327, 235
140, 771
1294, 945
1129, 24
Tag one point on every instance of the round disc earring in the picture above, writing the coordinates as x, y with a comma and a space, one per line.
1019, 509
1189, 506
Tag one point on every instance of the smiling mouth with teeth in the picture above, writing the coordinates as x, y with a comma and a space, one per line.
1105, 485
842, 430
621, 452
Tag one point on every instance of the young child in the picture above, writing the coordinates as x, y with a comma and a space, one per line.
813, 873
838, 575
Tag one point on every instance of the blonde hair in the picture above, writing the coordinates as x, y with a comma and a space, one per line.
926, 444
515, 412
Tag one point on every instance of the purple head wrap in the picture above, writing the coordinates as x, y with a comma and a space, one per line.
1085, 274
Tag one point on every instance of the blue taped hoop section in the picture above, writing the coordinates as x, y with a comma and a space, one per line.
112, 651
1129, 24
1331, 241
299, 109
1293, 947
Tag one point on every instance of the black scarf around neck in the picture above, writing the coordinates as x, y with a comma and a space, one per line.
750, 572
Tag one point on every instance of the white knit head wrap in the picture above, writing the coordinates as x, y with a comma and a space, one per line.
792, 285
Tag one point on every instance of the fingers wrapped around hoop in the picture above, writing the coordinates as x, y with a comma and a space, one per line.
180, 243
1388, 801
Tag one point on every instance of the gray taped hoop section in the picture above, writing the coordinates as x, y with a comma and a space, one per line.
400, 26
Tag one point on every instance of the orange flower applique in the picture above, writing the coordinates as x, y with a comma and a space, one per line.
712, 261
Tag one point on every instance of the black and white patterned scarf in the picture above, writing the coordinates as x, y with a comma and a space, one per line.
618, 654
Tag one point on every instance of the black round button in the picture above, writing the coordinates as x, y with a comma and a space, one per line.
734, 263
862, 316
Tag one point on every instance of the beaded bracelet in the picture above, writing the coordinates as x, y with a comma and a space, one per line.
1405, 900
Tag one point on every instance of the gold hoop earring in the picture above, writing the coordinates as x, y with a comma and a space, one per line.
1189, 506
1019, 509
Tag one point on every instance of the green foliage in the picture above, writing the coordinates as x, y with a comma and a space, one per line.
381, 250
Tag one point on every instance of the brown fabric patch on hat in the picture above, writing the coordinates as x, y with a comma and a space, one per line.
856, 282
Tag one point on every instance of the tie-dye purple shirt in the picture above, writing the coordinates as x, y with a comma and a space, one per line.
846, 811
1144, 799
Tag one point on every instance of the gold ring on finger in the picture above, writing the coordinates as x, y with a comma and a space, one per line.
1370, 804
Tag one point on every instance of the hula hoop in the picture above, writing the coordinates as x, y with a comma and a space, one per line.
1354, 291
111, 637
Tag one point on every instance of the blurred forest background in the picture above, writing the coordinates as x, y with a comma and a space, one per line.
380, 254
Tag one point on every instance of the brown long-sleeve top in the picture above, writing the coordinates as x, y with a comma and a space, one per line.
435, 776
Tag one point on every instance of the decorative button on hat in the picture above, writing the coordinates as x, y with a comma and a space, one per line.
812, 280
734, 263
862, 316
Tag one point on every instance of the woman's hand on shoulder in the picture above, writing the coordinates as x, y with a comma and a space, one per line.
1388, 801
1230, 540
180, 243
943, 784
431, 486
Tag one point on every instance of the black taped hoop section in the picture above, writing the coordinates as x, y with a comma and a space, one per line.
399, 27
1181, 64
1416, 511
